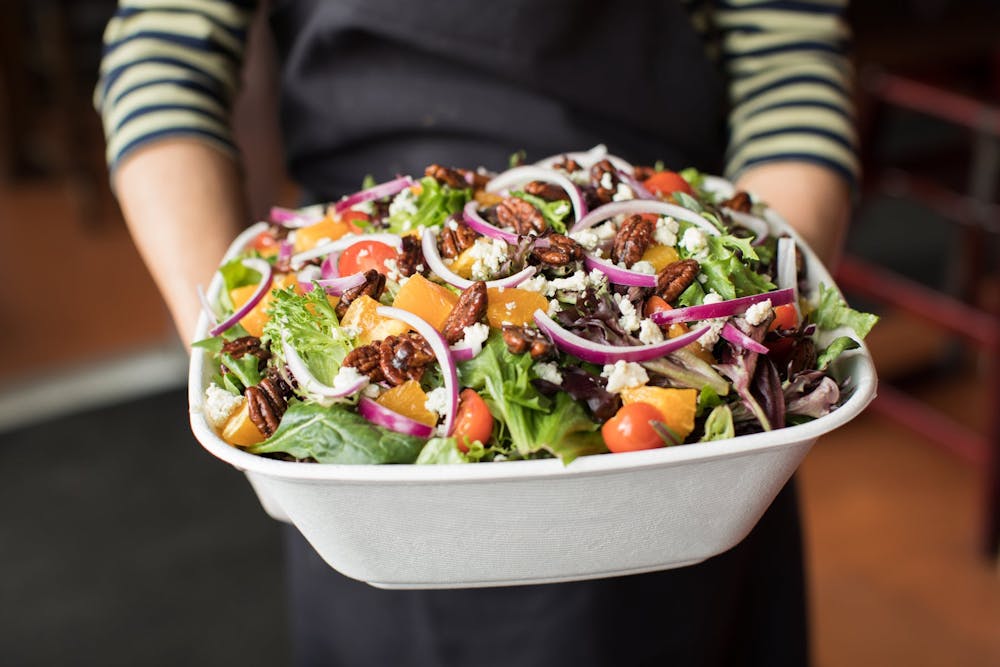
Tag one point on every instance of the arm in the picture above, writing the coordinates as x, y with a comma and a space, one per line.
169, 75
792, 136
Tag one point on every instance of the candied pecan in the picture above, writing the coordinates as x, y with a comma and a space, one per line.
404, 357
410, 257
366, 359
521, 216
567, 164
675, 278
474, 178
373, 286
740, 201
277, 391
559, 250
600, 173
237, 347
455, 237
263, 413
546, 191
642, 172
524, 339
633, 238
470, 309
453, 178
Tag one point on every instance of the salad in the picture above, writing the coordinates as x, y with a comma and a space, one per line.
581, 305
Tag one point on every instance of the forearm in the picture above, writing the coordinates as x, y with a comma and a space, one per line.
813, 199
183, 203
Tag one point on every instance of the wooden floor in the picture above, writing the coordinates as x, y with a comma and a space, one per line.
892, 521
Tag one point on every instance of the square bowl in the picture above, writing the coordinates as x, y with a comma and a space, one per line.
540, 521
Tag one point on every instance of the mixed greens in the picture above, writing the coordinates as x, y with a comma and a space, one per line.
575, 307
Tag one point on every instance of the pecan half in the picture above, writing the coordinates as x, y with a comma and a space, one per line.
367, 360
603, 174
633, 238
404, 357
470, 309
519, 215
559, 251
263, 413
237, 347
410, 257
524, 339
675, 278
738, 202
277, 390
455, 237
547, 191
453, 178
373, 286
642, 172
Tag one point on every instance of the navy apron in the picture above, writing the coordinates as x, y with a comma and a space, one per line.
384, 87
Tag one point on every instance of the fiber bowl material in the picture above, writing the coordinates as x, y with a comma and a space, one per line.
525, 522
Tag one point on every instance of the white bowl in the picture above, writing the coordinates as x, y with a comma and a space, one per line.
524, 522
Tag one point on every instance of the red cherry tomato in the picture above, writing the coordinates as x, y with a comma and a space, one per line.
350, 216
473, 421
365, 255
265, 242
630, 429
785, 317
667, 182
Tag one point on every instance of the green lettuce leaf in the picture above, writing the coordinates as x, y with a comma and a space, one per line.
834, 350
832, 312
313, 329
554, 212
337, 435
719, 425
433, 206
727, 273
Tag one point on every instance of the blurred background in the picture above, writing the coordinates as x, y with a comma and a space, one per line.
122, 542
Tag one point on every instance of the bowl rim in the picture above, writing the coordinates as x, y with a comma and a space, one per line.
862, 379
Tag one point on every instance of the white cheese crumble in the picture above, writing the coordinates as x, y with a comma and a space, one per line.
694, 240
666, 231
392, 269
574, 283
372, 391
622, 193
605, 231
548, 371
536, 283
586, 237
711, 337
712, 297
597, 278
437, 401
220, 405
366, 207
488, 254
606, 181
644, 267
347, 376
650, 332
630, 319
554, 307
758, 312
624, 374
475, 334
404, 202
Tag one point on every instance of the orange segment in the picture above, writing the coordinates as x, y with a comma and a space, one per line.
255, 320
430, 301
486, 199
511, 305
676, 405
462, 265
409, 400
239, 430
362, 315
660, 256
327, 229
678, 329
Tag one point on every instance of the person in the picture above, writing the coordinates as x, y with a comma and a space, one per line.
758, 91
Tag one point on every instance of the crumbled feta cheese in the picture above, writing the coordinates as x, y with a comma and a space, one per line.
702, 278
510, 305
347, 376
437, 401
711, 337
580, 177
405, 202
488, 254
605, 231
549, 372
574, 283
220, 404
624, 374
644, 267
606, 182
622, 193
364, 252
452, 224
650, 332
712, 297
366, 207
630, 319
372, 391
597, 278
666, 231
758, 312
475, 334
586, 238
392, 269
694, 240
536, 283
351, 332
554, 307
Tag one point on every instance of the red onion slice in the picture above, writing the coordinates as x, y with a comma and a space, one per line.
708, 311
322, 393
345, 242
429, 245
287, 217
479, 225
597, 353
378, 192
740, 339
618, 275
632, 206
328, 269
463, 352
759, 227
440, 347
334, 286
522, 175
587, 159
266, 278
392, 420
285, 252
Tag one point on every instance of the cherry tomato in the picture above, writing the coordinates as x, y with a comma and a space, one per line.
365, 255
265, 243
667, 182
473, 421
349, 216
785, 317
655, 304
630, 429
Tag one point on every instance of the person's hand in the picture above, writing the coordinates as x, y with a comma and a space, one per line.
813, 199
183, 204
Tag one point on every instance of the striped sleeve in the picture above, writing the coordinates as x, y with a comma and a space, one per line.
789, 83
171, 68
